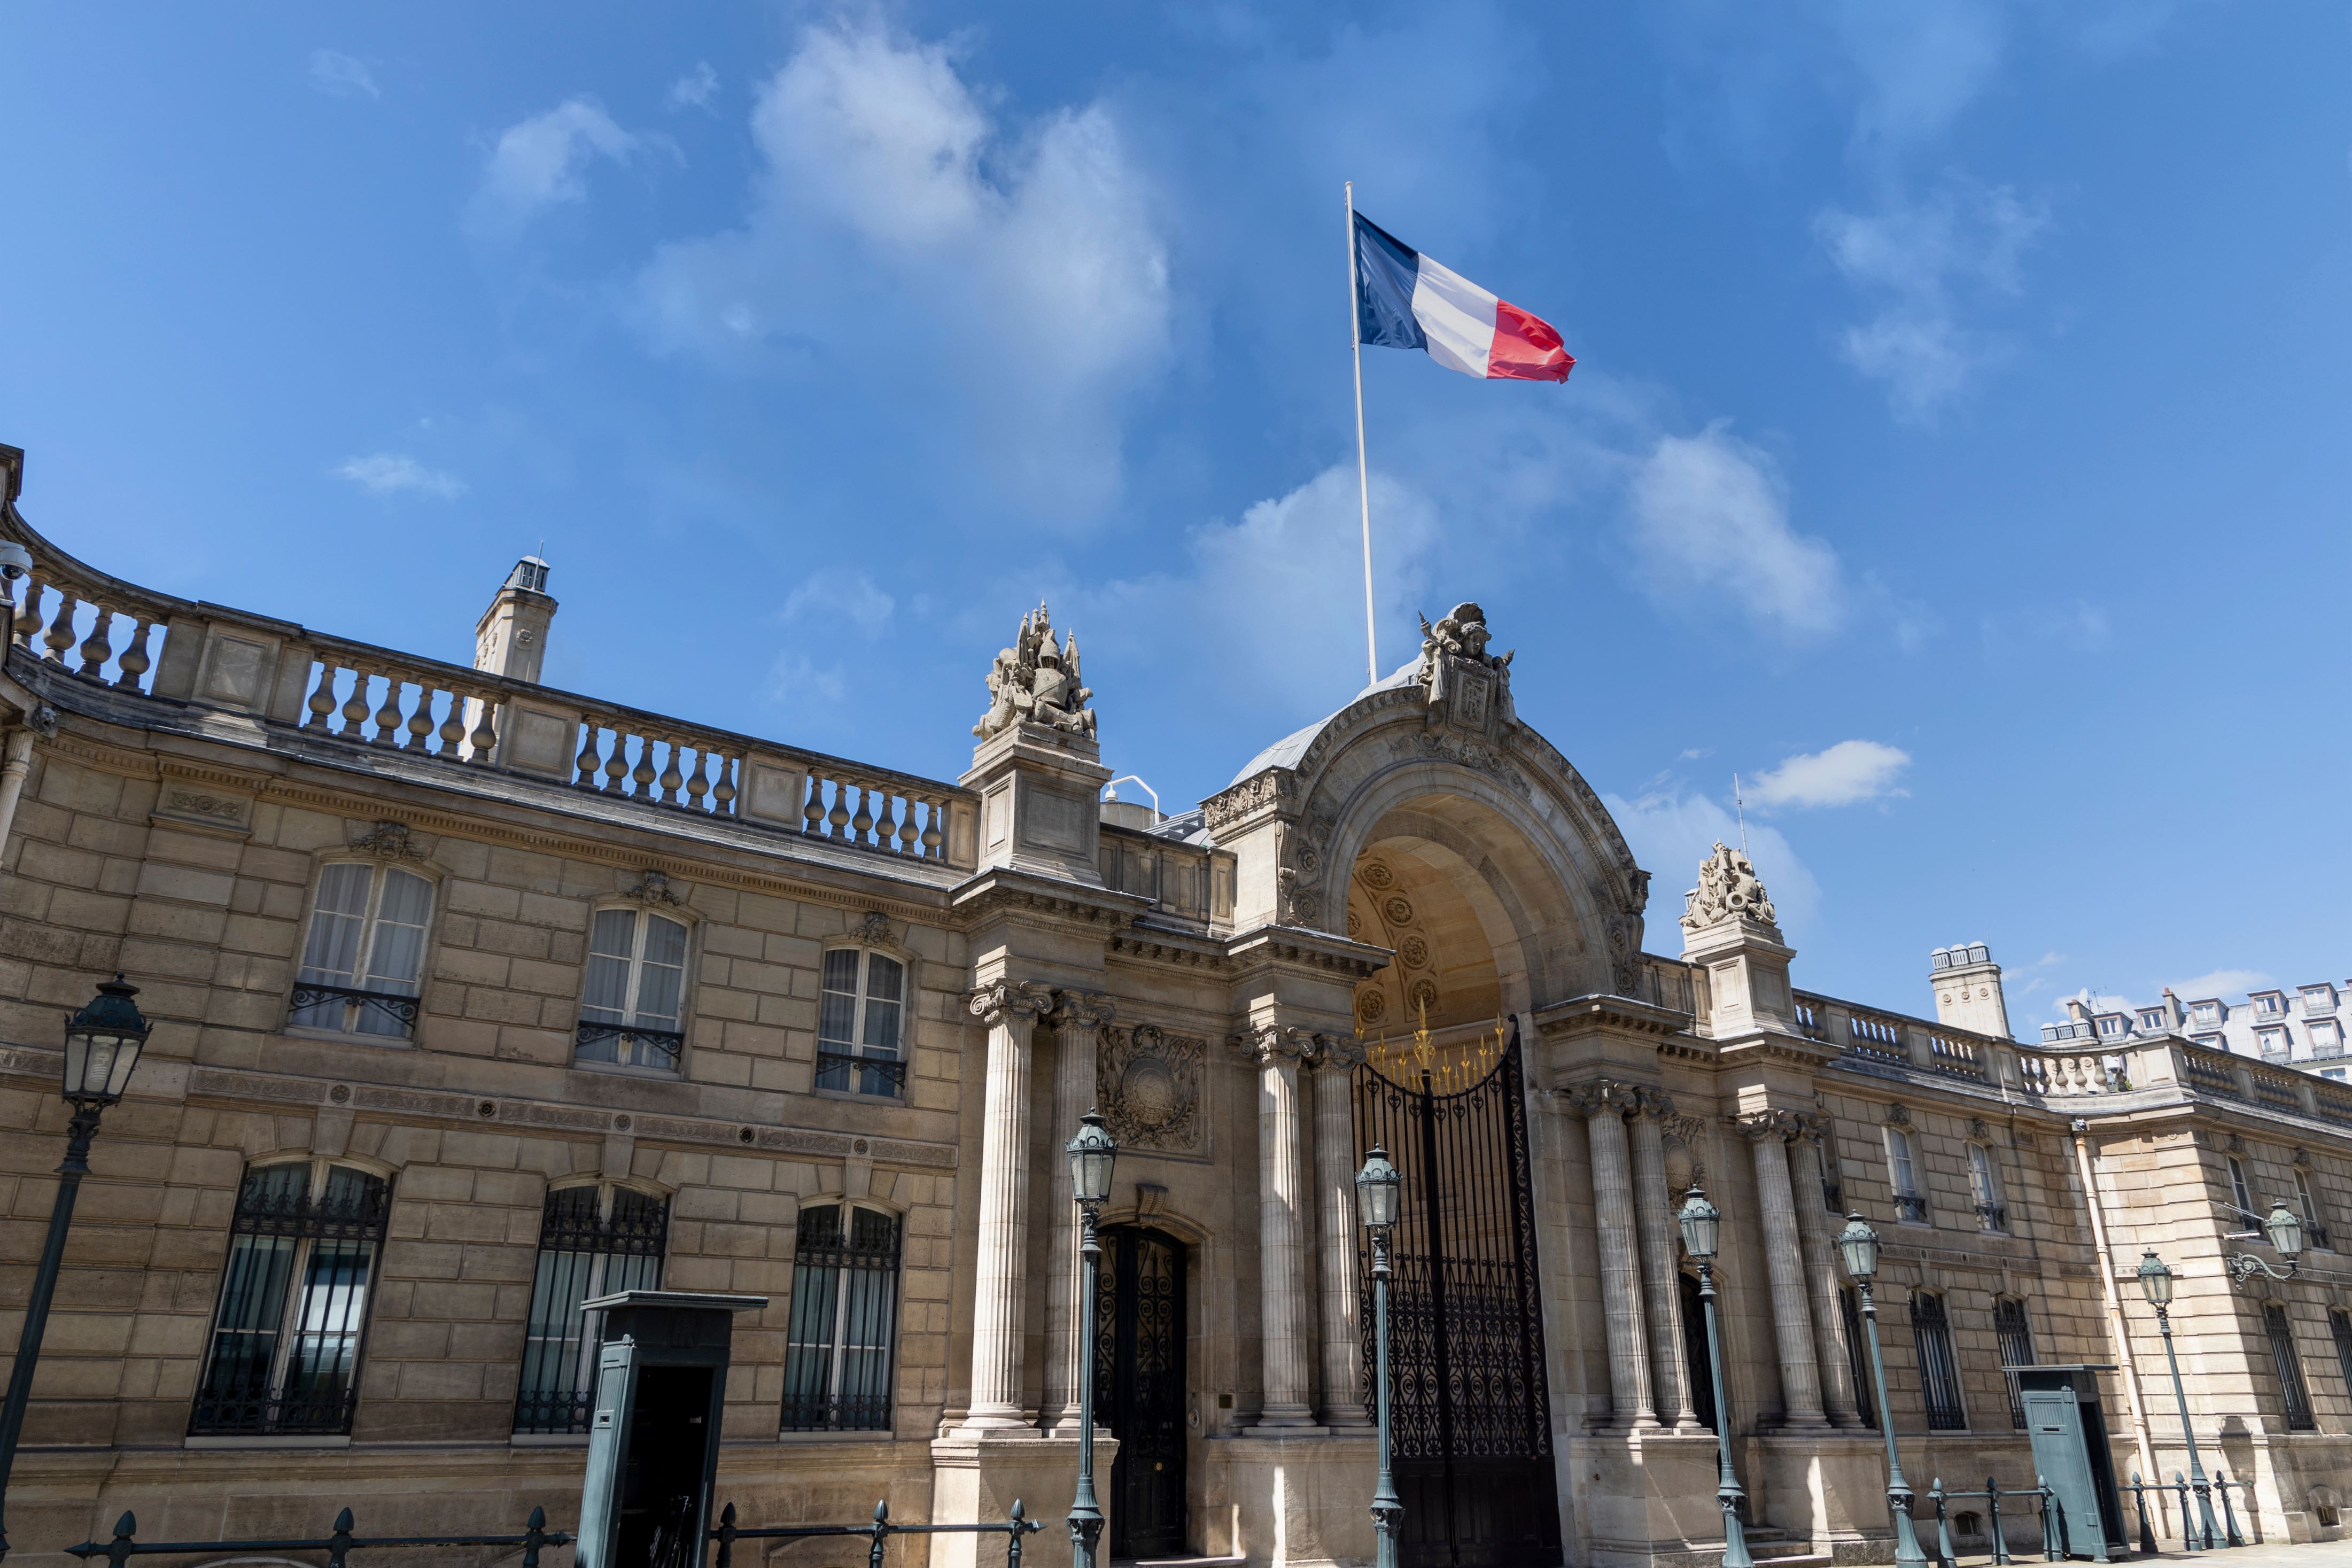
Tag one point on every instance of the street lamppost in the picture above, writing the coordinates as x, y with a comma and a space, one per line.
2156, 1284
1702, 1224
102, 1044
1092, 1152
1378, 1188
1859, 1243
2285, 1228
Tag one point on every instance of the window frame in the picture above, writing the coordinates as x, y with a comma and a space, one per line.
2307, 1196
835, 1348
860, 1070
2242, 1193
631, 1040
1985, 1189
1903, 1186
2340, 1329
380, 869
1938, 1360
2013, 1327
2286, 1367
597, 1281
291, 1313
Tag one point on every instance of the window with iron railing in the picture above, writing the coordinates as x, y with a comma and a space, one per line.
839, 1352
636, 986
2016, 1335
2314, 1225
2243, 1196
1903, 1178
1984, 1184
364, 951
284, 1349
2287, 1362
1940, 1367
593, 1240
860, 1014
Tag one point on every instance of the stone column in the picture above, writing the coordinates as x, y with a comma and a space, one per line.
1654, 1204
1814, 1222
1009, 1009
1604, 1106
1792, 1329
1281, 1241
1077, 1019
1335, 1184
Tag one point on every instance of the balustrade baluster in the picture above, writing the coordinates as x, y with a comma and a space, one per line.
723, 793
812, 813
908, 831
861, 826
96, 648
134, 662
28, 619
934, 839
697, 787
453, 727
591, 758
387, 718
837, 818
355, 706
616, 765
671, 779
641, 779
321, 701
420, 723
61, 633
886, 827
485, 737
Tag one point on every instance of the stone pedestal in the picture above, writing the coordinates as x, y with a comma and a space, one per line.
978, 1476
1288, 1501
1653, 1504
1832, 1490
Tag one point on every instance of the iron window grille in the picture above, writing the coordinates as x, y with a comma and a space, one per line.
364, 951
840, 1349
2288, 1365
2016, 1335
859, 1017
2340, 1328
1857, 1356
1939, 1368
285, 1340
1911, 1207
592, 1241
629, 1004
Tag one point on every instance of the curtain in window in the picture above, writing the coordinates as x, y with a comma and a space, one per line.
331, 955
2016, 1335
839, 1348
858, 1016
2288, 1363
662, 977
636, 979
581, 1255
1939, 1368
396, 948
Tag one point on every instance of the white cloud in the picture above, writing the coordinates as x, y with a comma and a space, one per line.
900, 230
1920, 260
1671, 833
837, 598
1844, 774
2221, 983
391, 473
538, 163
1711, 517
337, 75
831, 606
1920, 64
695, 88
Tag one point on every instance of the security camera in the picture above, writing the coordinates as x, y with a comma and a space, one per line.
16, 561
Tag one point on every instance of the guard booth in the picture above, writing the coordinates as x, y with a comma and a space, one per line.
652, 1442
2069, 1432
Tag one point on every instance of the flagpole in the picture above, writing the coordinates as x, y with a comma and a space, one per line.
1363, 475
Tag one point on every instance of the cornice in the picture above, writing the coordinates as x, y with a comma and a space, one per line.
1770, 1045
1296, 947
1582, 1015
1145, 945
999, 890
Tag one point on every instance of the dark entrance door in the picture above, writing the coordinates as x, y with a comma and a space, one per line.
1471, 1421
1139, 1388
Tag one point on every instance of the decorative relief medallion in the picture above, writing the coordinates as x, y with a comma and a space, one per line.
1414, 950
1377, 875
1397, 909
1148, 1083
388, 840
1422, 995
1372, 1005
1355, 925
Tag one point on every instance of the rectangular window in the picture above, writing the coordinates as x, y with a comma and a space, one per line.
2340, 1328
1984, 1187
285, 1347
592, 1241
1910, 1203
2016, 1336
838, 1353
2288, 1365
636, 984
2152, 1020
2315, 1224
2207, 1012
2267, 1004
366, 951
858, 1020
1857, 1355
2242, 1196
1939, 1368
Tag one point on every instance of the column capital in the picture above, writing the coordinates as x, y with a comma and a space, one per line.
1599, 1097
1000, 1001
1340, 1053
1761, 1125
1081, 1009
1655, 1103
1267, 1043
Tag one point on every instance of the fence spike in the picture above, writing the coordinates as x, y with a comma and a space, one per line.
126, 1526
882, 1511
343, 1522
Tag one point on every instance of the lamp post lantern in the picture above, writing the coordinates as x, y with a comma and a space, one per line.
1702, 1226
1859, 1244
1093, 1152
102, 1045
2156, 1284
2284, 1229
1379, 1190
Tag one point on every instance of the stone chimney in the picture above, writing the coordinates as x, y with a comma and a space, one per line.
512, 636
1968, 989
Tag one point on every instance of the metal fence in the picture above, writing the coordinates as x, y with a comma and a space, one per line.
339, 1546
879, 1533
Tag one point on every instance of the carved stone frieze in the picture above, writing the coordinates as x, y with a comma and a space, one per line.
652, 888
1275, 787
875, 929
1475, 756
1601, 1095
388, 841
1760, 1125
1147, 1084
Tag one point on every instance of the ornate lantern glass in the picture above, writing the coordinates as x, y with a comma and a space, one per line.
1092, 1152
2155, 1279
1702, 1224
1379, 1187
1859, 1243
102, 1045
2285, 1228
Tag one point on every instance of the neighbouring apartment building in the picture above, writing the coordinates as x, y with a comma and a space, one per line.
474, 999
2301, 1025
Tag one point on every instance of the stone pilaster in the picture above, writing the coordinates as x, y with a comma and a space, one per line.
1654, 1205
1821, 1275
1335, 1185
1009, 1009
1792, 1329
1282, 1249
1604, 1106
1077, 1019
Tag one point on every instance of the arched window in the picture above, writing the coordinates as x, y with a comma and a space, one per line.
2016, 1335
630, 1005
593, 1240
1984, 1187
1940, 1367
284, 1350
839, 1352
365, 951
2288, 1363
859, 1019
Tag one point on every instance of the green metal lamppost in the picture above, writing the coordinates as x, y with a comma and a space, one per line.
2156, 1284
102, 1045
1859, 1244
1702, 1224
1092, 1153
1378, 1190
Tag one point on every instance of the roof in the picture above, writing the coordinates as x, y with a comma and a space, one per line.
1286, 752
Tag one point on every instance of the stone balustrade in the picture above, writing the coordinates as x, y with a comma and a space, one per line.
83, 623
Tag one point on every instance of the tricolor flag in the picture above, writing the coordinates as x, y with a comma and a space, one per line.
1405, 300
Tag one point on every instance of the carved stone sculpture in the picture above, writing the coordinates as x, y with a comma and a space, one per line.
1726, 887
1036, 682
1461, 633
1148, 1086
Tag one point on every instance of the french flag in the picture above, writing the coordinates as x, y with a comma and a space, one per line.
1405, 300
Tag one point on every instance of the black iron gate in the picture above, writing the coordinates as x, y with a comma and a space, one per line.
1472, 1426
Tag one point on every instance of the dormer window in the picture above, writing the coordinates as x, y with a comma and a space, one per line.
2111, 1023
2268, 1002
2273, 1042
2206, 1012
2320, 998
2151, 1019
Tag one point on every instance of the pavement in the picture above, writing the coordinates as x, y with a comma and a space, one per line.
2274, 1554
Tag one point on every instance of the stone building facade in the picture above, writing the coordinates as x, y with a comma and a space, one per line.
474, 997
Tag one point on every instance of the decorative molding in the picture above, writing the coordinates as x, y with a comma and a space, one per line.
1341, 1052
388, 840
1727, 889
1599, 1097
875, 929
1760, 1125
1898, 1114
1081, 1010
653, 886
1010, 1001
1148, 1085
1267, 1043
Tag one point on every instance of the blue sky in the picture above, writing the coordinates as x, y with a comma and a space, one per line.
1958, 448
